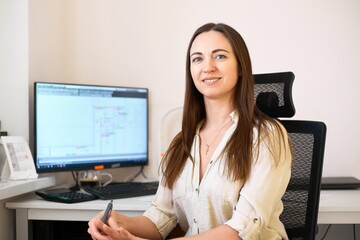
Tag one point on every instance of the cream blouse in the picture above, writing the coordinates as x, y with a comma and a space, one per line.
252, 209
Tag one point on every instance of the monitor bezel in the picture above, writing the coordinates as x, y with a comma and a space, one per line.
104, 165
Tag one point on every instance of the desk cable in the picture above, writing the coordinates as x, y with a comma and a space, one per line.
354, 231
326, 232
141, 171
328, 228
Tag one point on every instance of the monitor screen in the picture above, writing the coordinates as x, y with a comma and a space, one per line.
81, 127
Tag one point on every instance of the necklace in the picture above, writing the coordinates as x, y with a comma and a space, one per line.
207, 146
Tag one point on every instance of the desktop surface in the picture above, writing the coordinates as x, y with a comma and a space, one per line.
36, 208
336, 207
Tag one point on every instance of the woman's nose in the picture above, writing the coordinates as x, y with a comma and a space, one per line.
209, 65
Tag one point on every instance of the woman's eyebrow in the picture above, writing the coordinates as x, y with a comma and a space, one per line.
220, 50
213, 51
195, 53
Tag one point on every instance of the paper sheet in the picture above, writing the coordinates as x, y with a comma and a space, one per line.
19, 158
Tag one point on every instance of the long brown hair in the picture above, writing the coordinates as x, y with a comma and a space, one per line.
239, 148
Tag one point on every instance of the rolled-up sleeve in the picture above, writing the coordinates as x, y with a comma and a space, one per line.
256, 214
161, 212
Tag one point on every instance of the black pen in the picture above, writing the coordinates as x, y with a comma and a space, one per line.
107, 211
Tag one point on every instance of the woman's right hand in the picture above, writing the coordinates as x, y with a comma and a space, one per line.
102, 231
121, 227
96, 226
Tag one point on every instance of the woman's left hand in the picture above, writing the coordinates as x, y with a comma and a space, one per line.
118, 233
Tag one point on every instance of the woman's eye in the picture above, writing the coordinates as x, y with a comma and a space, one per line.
196, 59
220, 56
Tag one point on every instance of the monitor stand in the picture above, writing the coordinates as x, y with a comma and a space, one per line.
76, 187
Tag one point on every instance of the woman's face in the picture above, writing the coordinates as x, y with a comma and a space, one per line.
213, 65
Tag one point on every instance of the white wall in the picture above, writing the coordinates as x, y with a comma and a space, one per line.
14, 70
14, 98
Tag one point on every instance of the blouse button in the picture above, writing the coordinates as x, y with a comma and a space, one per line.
255, 220
211, 162
194, 220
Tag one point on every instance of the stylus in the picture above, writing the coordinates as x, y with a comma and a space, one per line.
107, 211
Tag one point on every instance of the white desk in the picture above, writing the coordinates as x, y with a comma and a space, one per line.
32, 207
336, 207
339, 207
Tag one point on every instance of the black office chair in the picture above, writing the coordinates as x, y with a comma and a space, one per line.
273, 95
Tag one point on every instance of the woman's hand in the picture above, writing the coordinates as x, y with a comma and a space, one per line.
113, 229
96, 227
119, 233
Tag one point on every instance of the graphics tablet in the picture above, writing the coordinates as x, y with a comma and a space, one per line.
339, 183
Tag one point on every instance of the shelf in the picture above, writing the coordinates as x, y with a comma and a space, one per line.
13, 188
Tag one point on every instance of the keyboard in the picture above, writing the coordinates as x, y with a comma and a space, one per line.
124, 190
65, 195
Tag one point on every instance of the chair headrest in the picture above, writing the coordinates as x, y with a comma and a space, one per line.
273, 94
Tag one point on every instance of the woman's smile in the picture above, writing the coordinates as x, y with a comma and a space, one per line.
211, 80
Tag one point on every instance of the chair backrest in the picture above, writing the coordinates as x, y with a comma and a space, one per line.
301, 199
273, 95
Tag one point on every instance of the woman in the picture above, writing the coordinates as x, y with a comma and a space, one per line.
224, 174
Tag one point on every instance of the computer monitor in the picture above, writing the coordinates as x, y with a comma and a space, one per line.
83, 127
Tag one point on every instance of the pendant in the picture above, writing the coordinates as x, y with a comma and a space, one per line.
207, 149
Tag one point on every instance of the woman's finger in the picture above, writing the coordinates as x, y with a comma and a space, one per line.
96, 229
